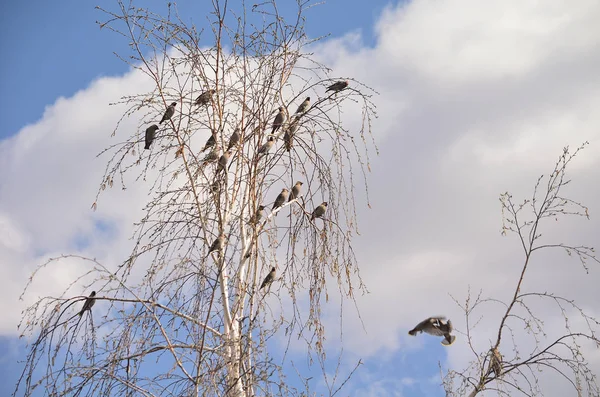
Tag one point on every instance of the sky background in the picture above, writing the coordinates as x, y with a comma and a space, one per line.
474, 100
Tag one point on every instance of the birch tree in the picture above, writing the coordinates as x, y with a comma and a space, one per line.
524, 347
174, 318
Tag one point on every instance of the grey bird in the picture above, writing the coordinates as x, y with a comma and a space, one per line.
224, 159
319, 211
213, 155
169, 112
89, 302
338, 86
254, 219
269, 279
218, 244
281, 199
205, 97
234, 138
279, 119
288, 136
264, 149
210, 142
436, 326
495, 362
295, 193
150, 133
303, 106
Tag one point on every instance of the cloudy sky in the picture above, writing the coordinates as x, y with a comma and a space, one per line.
476, 98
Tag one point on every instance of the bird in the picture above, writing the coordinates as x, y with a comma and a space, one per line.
338, 86
204, 98
288, 136
303, 106
269, 279
213, 155
281, 199
150, 132
279, 119
234, 138
224, 159
437, 327
218, 244
211, 141
296, 191
89, 302
169, 112
264, 149
495, 362
319, 211
254, 219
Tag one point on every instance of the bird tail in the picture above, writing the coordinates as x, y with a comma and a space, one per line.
448, 340
147, 146
412, 332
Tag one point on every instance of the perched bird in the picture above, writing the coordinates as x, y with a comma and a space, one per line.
303, 106
281, 199
89, 302
169, 112
319, 211
150, 132
204, 98
234, 138
495, 362
279, 119
254, 219
288, 136
337, 87
218, 244
211, 141
213, 155
269, 279
224, 159
296, 191
437, 327
264, 149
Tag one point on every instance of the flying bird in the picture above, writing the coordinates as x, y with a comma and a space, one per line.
234, 138
303, 106
210, 142
150, 133
224, 159
319, 211
204, 98
279, 119
436, 326
338, 86
169, 112
281, 199
257, 215
269, 279
218, 244
89, 302
296, 191
264, 149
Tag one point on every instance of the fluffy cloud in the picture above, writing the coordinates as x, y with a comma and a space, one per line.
476, 98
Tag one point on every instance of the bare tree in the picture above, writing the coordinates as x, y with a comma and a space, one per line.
220, 136
524, 348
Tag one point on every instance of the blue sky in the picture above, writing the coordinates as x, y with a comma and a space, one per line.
475, 100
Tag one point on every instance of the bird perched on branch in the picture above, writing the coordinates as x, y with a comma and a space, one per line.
319, 211
288, 136
213, 155
303, 106
295, 191
338, 86
269, 279
224, 159
495, 362
436, 326
89, 302
264, 149
218, 244
204, 98
281, 199
234, 138
150, 133
254, 219
169, 112
210, 142
279, 119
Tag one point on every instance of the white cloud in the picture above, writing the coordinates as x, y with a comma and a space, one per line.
476, 98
